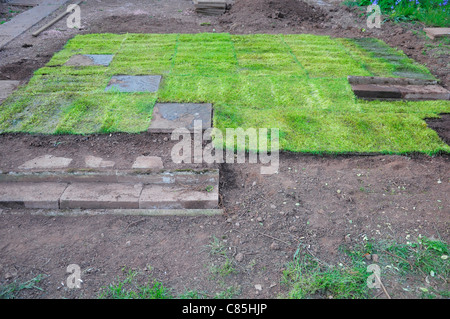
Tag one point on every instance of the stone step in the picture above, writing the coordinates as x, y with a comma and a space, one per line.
129, 191
31, 195
181, 176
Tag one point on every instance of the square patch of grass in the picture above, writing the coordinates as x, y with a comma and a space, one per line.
297, 83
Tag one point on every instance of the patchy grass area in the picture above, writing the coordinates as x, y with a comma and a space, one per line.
420, 268
12, 290
130, 288
297, 83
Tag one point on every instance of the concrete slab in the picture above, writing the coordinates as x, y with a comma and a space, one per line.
25, 20
31, 195
101, 196
174, 197
169, 116
89, 60
148, 162
435, 33
46, 162
97, 162
134, 83
6, 88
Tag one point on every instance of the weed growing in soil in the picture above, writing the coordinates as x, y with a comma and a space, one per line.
12, 290
129, 288
308, 277
421, 268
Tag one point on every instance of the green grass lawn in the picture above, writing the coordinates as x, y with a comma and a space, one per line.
297, 83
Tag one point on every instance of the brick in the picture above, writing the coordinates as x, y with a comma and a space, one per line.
31, 195
100, 195
175, 197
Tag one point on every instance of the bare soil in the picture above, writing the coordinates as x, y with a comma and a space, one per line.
316, 200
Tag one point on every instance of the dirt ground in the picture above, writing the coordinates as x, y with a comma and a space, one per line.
315, 200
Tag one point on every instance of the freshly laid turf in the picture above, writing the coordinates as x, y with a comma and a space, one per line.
297, 83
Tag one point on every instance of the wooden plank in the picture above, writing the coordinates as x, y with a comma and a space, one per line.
400, 92
369, 91
389, 81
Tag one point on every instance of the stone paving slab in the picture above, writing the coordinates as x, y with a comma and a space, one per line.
98, 162
7, 87
169, 116
27, 19
148, 162
101, 195
134, 83
164, 197
46, 162
31, 195
89, 60
435, 33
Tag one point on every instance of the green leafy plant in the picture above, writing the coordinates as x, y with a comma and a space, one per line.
430, 12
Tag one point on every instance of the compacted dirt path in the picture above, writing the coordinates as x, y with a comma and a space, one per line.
318, 201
